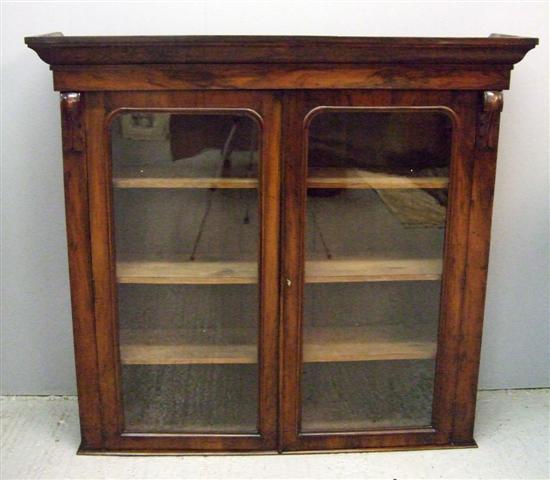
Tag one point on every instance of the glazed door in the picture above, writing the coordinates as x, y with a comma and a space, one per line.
185, 246
374, 198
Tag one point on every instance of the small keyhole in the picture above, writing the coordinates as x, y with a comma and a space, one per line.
288, 282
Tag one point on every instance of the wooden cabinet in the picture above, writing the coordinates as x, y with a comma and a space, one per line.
278, 244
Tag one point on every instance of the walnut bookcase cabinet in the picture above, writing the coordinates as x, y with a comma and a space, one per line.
278, 244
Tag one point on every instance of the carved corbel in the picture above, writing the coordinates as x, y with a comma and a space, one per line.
71, 122
487, 133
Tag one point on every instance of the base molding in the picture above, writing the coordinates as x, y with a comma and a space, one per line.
82, 450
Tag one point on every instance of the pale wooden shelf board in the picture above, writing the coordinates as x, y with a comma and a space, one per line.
187, 346
181, 176
179, 182
357, 269
317, 178
238, 346
188, 272
246, 272
356, 178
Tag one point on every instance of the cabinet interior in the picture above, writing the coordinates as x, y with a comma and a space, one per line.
187, 235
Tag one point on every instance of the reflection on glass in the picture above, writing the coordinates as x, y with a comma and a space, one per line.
376, 211
185, 190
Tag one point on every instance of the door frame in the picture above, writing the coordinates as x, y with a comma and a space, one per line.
100, 108
461, 107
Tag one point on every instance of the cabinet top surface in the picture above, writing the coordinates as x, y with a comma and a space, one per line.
57, 49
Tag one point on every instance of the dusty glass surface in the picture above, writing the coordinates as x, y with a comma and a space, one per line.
376, 211
185, 197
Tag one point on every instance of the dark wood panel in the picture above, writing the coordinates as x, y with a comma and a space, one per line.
292, 295
283, 76
103, 273
385, 439
180, 444
270, 181
455, 257
478, 237
80, 267
62, 50
192, 101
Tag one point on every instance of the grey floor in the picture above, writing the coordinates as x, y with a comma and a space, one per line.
40, 435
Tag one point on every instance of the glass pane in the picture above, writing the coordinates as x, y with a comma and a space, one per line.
376, 210
185, 194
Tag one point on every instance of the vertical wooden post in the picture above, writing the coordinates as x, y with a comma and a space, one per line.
479, 232
80, 266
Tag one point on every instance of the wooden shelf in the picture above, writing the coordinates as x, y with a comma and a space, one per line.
187, 272
164, 177
172, 177
356, 178
357, 269
187, 346
238, 346
198, 272
372, 342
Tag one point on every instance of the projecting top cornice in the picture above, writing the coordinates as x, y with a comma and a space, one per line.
57, 49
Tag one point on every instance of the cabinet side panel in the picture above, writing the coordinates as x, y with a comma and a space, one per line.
451, 314
80, 266
479, 232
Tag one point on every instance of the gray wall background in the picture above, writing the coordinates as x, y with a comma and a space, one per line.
37, 352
